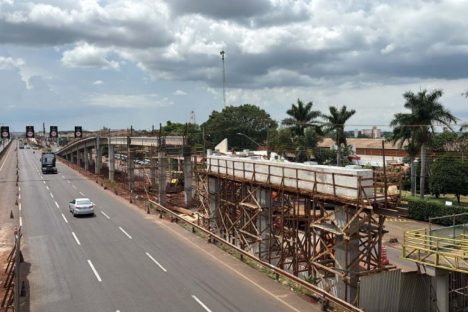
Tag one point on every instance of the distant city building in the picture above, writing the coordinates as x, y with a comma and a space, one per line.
373, 133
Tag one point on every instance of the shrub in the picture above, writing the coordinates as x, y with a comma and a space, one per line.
424, 209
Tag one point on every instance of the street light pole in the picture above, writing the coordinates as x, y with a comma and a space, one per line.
224, 79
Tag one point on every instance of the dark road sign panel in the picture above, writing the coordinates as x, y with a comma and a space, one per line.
78, 132
53, 132
5, 132
30, 132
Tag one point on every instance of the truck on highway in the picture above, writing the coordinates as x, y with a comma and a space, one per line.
48, 163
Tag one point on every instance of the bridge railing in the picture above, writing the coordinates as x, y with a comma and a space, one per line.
449, 253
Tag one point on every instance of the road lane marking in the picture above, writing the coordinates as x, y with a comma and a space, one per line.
20, 221
68, 181
19, 188
64, 218
42, 177
4, 161
19, 196
157, 263
201, 303
51, 195
56, 204
43, 182
105, 215
81, 193
47, 187
73, 185
63, 176
19, 206
128, 235
76, 239
94, 270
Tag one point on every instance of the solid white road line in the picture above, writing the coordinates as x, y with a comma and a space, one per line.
201, 303
64, 218
123, 231
56, 204
51, 195
105, 215
157, 263
94, 270
76, 238
81, 193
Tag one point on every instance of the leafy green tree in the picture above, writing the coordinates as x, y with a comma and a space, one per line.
301, 117
449, 175
245, 126
417, 127
191, 131
281, 141
335, 123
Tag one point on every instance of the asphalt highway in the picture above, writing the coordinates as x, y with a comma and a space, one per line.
119, 260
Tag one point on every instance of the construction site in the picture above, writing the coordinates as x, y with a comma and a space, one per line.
322, 224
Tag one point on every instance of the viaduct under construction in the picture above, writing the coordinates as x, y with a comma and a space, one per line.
324, 224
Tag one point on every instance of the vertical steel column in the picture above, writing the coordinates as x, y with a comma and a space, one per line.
162, 176
188, 176
97, 167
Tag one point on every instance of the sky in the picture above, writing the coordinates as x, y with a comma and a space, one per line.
143, 62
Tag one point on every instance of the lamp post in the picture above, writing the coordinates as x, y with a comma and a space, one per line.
224, 79
267, 146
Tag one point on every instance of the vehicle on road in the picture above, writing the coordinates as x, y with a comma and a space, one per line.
81, 206
48, 163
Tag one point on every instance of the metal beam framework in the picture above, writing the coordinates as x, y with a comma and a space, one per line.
295, 230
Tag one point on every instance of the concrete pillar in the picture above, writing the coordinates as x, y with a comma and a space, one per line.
442, 289
78, 157
162, 177
111, 160
86, 158
153, 163
130, 167
97, 167
346, 253
213, 200
263, 196
188, 180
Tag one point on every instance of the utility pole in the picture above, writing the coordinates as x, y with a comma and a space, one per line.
224, 79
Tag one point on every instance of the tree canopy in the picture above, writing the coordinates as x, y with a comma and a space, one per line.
449, 175
245, 126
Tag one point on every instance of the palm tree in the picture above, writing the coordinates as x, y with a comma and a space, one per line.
335, 122
301, 117
417, 127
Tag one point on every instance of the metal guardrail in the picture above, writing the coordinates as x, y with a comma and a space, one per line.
325, 296
449, 253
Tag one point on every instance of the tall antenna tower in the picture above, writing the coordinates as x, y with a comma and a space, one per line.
192, 118
224, 78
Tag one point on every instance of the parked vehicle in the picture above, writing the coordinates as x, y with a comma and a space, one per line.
48, 163
81, 206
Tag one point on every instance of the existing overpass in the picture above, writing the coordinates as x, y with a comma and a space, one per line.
89, 150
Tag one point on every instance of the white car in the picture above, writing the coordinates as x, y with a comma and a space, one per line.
81, 206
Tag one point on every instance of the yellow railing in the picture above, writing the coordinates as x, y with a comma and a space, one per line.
442, 252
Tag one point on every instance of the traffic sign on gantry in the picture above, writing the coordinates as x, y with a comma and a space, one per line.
29, 132
78, 132
53, 132
5, 132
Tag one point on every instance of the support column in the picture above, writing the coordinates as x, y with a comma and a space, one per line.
347, 253
442, 289
213, 201
78, 157
188, 180
86, 158
263, 196
111, 160
153, 168
97, 167
130, 167
162, 177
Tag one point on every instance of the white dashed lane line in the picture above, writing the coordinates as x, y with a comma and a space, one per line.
51, 195
43, 182
47, 187
73, 185
76, 238
94, 271
201, 303
64, 218
105, 215
20, 221
68, 181
81, 193
123, 231
157, 263
56, 204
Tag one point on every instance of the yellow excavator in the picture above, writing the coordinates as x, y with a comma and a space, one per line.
176, 182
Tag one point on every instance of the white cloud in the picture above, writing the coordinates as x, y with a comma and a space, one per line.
98, 82
180, 92
86, 55
10, 63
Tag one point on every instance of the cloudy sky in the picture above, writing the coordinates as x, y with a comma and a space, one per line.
143, 62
